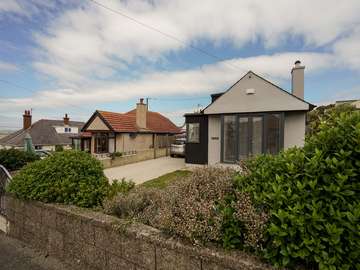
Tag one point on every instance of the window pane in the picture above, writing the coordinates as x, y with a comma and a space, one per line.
257, 132
273, 134
193, 130
101, 143
243, 137
229, 138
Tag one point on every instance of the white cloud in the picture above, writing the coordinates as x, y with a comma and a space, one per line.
7, 67
90, 41
10, 6
9, 122
205, 79
348, 50
28, 8
83, 47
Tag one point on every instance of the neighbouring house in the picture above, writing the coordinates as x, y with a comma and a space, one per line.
253, 116
45, 134
130, 132
353, 102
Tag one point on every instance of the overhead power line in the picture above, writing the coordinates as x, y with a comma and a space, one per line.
157, 30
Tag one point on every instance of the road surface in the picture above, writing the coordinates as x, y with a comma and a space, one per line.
15, 255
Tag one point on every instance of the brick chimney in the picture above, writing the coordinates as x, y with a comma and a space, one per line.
141, 112
297, 80
26, 119
66, 120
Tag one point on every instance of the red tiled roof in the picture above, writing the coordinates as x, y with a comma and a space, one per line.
126, 122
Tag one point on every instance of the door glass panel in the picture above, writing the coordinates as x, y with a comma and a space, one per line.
243, 137
101, 143
257, 132
229, 138
273, 134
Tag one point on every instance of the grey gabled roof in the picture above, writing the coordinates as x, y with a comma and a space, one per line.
217, 95
42, 132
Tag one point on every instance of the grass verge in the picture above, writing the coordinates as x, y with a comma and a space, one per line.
164, 180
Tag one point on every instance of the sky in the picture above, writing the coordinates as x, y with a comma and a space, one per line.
71, 56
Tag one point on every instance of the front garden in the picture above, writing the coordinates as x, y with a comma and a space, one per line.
298, 209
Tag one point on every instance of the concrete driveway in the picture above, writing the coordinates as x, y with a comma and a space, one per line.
145, 170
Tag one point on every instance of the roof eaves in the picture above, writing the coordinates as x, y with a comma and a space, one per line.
97, 113
105, 121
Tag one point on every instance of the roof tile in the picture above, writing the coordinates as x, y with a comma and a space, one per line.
126, 122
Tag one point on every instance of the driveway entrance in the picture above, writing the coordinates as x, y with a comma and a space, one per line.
145, 170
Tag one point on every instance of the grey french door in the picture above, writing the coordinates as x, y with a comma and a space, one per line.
250, 132
248, 135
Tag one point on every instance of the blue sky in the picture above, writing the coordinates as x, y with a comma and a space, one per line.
75, 57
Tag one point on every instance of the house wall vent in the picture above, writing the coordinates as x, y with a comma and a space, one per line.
250, 91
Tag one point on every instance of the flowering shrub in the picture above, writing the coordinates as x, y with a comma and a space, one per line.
191, 208
139, 204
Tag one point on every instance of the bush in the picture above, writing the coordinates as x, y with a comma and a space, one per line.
312, 196
13, 159
70, 177
116, 154
141, 204
326, 114
122, 186
189, 208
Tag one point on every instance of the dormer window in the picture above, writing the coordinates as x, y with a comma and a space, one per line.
67, 130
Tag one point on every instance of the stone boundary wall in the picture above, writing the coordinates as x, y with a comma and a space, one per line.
139, 156
84, 239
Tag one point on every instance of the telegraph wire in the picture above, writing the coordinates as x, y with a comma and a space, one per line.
170, 36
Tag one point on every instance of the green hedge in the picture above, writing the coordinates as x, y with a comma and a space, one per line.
326, 113
13, 159
70, 177
312, 196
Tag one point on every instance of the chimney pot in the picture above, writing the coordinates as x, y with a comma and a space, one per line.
141, 114
297, 80
27, 119
66, 119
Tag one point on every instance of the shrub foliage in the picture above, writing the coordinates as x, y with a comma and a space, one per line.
70, 177
326, 113
121, 186
13, 159
191, 207
298, 208
312, 197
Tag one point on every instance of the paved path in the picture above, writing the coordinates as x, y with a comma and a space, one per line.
15, 255
145, 170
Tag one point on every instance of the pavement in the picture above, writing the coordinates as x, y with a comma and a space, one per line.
145, 170
15, 255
